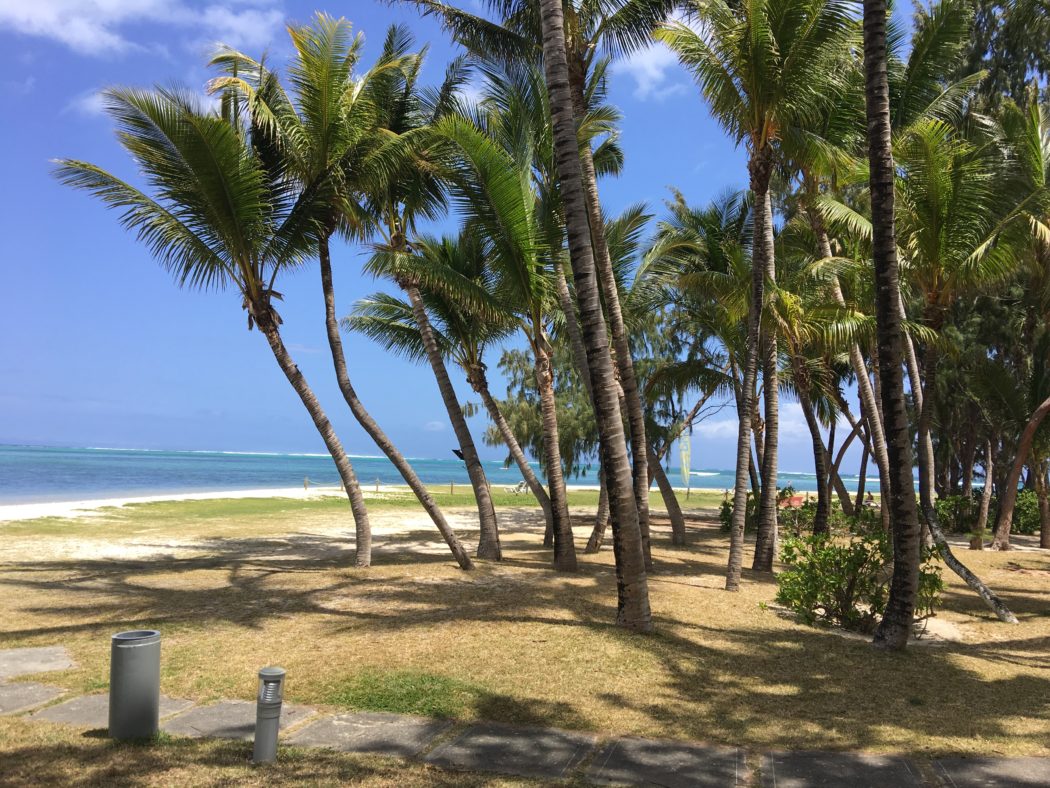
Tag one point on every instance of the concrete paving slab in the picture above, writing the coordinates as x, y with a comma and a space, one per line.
997, 772
376, 732
833, 769
15, 698
529, 752
672, 764
25, 661
92, 711
228, 719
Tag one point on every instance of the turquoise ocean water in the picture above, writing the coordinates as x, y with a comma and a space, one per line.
31, 474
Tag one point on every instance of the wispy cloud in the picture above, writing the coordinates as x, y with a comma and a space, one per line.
434, 426
656, 73
90, 104
100, 28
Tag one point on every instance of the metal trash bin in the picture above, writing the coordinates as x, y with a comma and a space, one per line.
134, 684
268, 714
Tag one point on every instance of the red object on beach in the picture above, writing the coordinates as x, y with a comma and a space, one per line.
794, 502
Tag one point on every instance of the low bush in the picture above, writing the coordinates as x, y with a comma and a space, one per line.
1026, 513
844, 581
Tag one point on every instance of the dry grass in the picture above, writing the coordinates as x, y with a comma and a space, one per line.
517, 642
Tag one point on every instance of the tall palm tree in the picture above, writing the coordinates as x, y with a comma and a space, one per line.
328, 135
615, 27
414, 191
222, 214
633, 609
765, 68
895, 628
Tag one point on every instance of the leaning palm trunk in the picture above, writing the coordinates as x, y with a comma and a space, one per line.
1009, 498
363, 531
632, 584
364, 418
1042, 491
820, 458
674, 509
488, 540
760, 168
621, 345
564, 549
479, 382
866, 394
896, 625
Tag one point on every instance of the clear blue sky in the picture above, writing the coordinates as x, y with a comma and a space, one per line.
101, 349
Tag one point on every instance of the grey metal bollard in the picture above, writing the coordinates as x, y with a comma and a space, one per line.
134, 684
268, 714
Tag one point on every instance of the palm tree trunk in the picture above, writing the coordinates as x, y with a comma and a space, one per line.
674, 510
986, 497
488, 541
862, 480
601, 519
925, 404
579, 355
1043, 494
564, 549
895, 628
633, 609
820, 458
363, 531
621, 345
760, 168
1009, 495
479, 382
766, 536
836, 480
364, 418
867, 395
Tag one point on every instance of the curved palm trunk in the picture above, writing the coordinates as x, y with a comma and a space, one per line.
895, 628
926, 477
820, 459
479, 382
760, 168
1042, 491
363, 531
674, 510
601, 518
364, 418
488, 541
564, 549
862, 480
1009, 496
624, 361
632, 584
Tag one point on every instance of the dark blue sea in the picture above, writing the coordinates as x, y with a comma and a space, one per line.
33, 474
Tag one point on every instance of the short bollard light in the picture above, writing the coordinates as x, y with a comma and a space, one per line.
268, 714
134, 684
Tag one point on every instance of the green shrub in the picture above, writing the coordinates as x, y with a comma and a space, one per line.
1026, 513
957, 514
725, 513
845, 581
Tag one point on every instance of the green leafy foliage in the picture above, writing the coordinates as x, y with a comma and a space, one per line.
1026, 513
845, 581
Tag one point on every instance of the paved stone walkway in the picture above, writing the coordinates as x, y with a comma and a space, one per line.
543, 753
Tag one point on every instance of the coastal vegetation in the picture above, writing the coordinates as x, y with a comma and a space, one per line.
888, 267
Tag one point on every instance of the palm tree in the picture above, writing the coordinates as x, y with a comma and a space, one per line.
327, 133
765, 68
415, 190
617, 27
223, 214
633, 609
895, 628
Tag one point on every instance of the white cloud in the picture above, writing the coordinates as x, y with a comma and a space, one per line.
90, 103
434, 426
655, 72
99, 27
